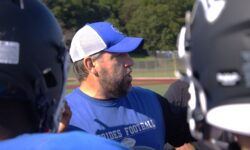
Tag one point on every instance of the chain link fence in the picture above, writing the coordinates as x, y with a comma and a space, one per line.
160, 66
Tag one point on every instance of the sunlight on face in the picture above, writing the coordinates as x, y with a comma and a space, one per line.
115, 74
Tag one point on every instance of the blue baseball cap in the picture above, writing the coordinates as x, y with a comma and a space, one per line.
101, 36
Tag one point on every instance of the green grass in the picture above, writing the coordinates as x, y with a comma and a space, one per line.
160, 89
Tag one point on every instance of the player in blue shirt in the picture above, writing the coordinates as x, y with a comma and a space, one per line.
33, 70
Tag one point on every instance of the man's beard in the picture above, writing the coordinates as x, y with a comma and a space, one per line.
114, 86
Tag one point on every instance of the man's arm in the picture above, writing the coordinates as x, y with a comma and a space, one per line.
66, 115
177, 128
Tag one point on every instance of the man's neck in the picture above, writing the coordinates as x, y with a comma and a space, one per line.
93, 90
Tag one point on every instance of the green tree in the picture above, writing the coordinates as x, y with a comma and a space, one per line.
73, 14
157, 21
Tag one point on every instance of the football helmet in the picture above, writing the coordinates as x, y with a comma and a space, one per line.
33, 59
214, 45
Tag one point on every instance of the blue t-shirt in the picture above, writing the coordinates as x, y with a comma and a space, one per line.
135, 119
63, 141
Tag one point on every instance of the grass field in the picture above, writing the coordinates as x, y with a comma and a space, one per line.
160, 89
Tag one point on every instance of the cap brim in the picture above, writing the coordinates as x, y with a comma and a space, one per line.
128, 44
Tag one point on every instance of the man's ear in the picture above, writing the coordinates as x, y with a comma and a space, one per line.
90, 65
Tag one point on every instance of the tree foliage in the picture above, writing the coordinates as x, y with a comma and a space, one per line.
157, 21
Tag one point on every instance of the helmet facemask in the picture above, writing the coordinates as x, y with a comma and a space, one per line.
214, 51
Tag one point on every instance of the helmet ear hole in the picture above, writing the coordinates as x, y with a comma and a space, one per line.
49, 78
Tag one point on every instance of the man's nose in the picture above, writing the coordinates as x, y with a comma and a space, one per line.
129, 61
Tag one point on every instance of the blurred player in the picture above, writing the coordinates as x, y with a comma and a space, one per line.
215, 48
